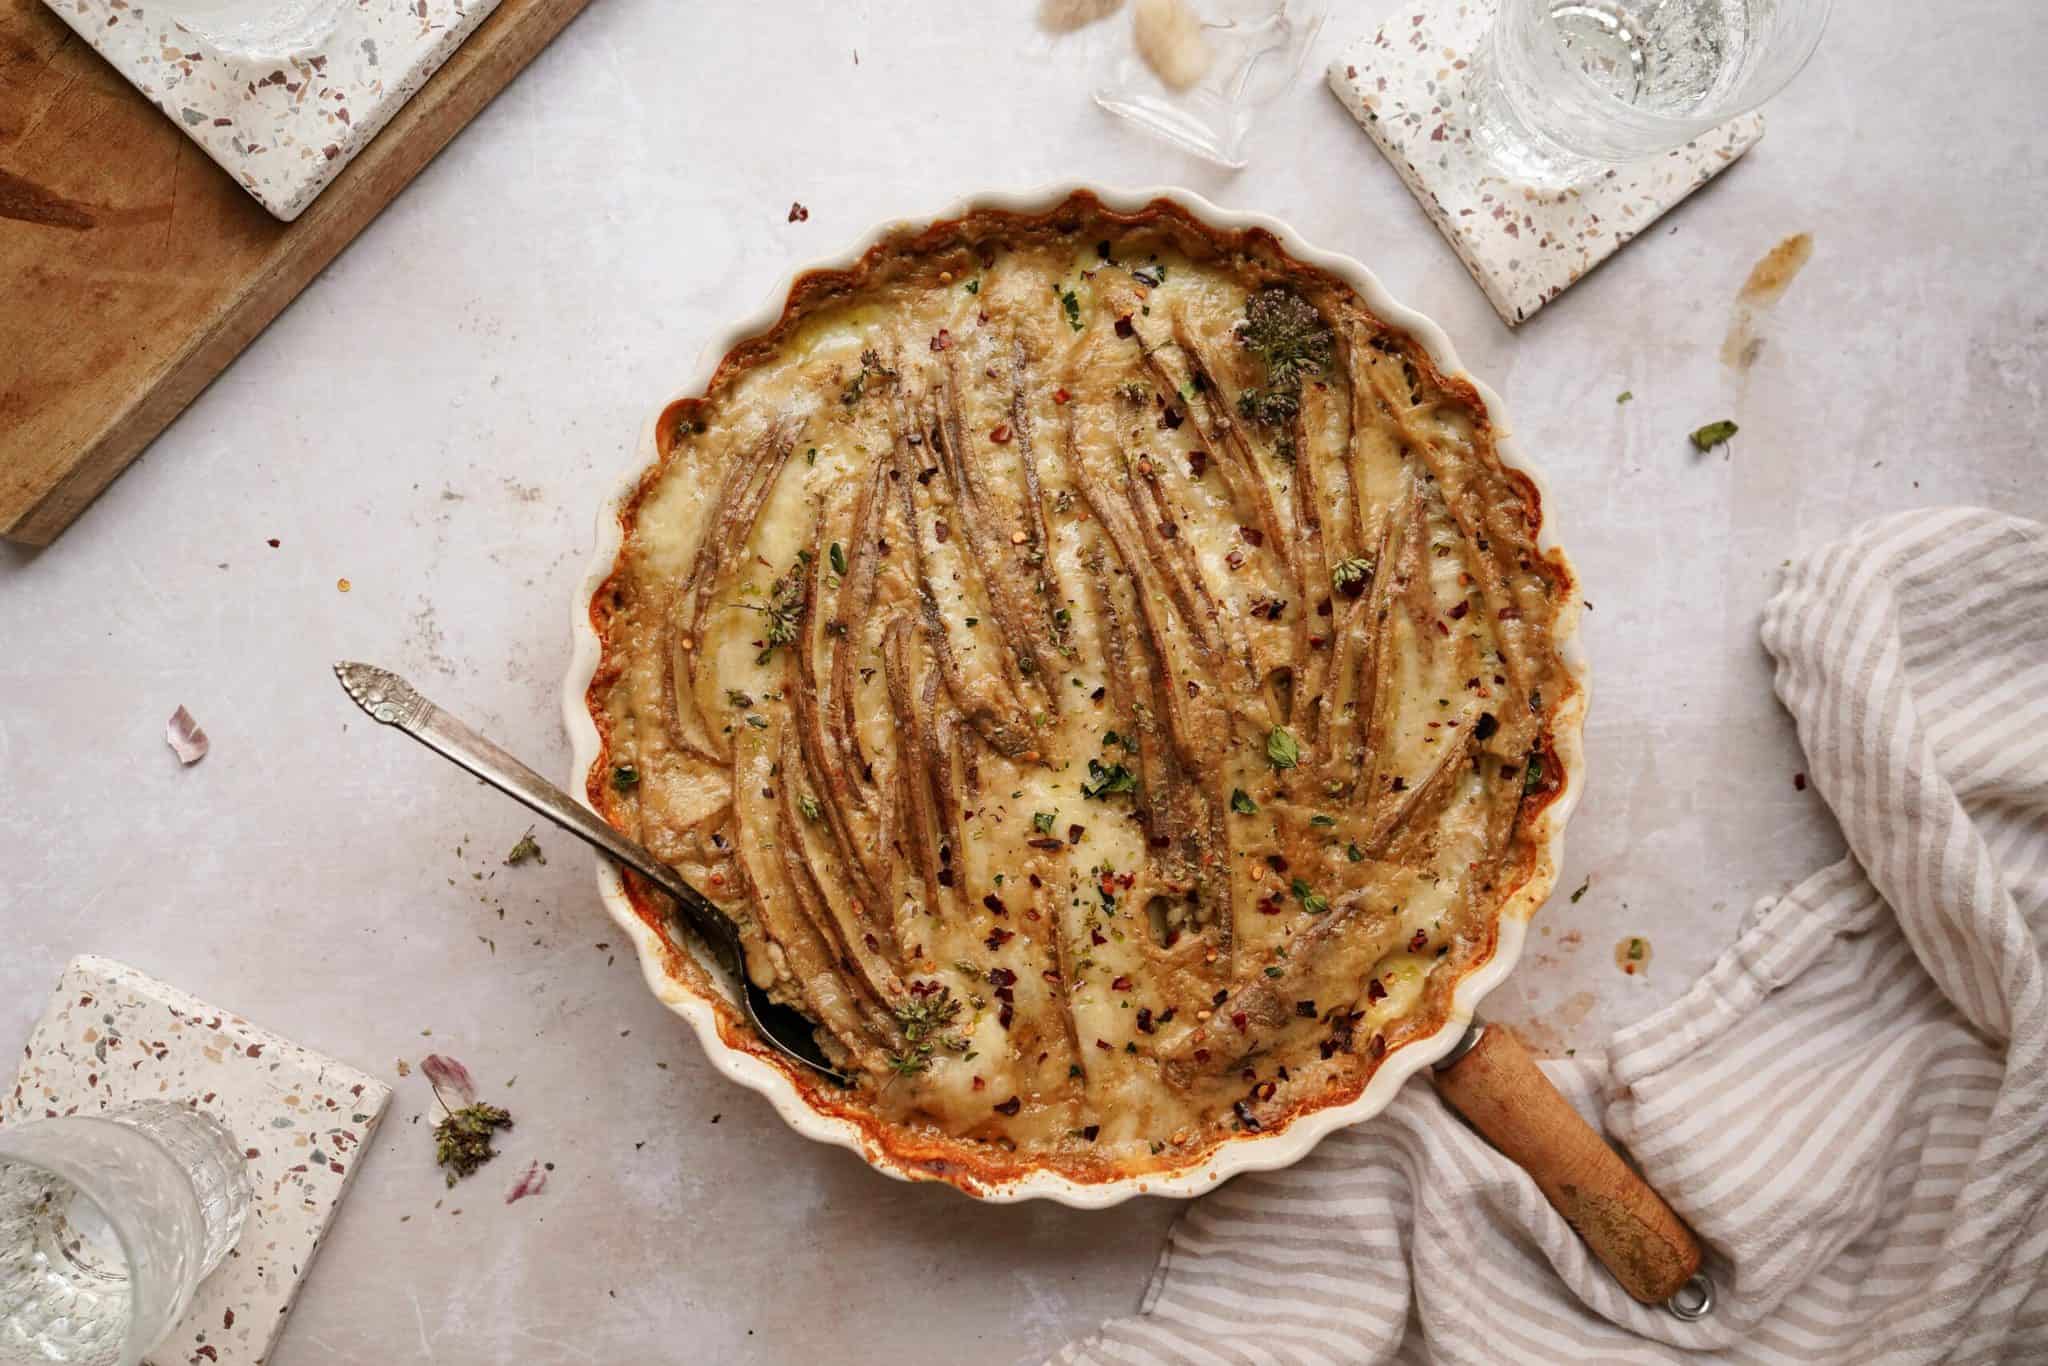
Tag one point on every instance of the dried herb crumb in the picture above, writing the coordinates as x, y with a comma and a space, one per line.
1624, 396
526, 849
1582, 889
798, 213
1242, 804
1282, 750
1713, 434
462, 1141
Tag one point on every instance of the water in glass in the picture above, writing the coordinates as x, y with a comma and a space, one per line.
107, 1225
1561, 88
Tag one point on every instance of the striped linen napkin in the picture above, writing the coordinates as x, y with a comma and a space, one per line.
1849, 1108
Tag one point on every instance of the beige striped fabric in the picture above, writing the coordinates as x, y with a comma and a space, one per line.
1849, 1107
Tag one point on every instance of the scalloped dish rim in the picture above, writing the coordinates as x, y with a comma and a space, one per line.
1247, 1153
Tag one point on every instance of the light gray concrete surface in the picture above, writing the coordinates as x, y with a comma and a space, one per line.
435, 418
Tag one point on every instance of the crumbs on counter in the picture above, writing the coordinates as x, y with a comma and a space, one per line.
526, 849
1624, 396
341, 585
1582, 889
1799, 782
1713, 434
1632, 955
798, 213
275, 543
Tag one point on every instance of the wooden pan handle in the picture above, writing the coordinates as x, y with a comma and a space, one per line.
1498, 1087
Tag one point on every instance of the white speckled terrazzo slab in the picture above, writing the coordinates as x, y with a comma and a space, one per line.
112, 1035
282, 128
1525, 246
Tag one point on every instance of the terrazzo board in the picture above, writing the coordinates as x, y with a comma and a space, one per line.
112, 1035
1524, 245
283, 128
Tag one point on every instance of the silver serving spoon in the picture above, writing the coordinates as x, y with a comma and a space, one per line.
394, 702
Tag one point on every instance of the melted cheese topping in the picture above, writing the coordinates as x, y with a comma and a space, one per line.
1113, 740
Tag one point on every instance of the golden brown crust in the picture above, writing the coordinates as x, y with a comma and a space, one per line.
968, 1159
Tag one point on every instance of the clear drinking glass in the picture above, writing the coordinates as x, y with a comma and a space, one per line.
1196, 72
1561, 89
258, 29
108, 1224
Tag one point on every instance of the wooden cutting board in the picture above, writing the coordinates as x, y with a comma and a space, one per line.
133, 269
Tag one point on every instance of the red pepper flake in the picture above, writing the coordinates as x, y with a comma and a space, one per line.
1799, 782
1095, 936
1264, 1091
1120, 983
1457, 613
1379, 1046
1269, 905
1198, 461
1419, 942
1051, 974
1009, 1107
1001, 435
1074, 833
798, 213
1374, 991
1239, 1019
1001, 977
1060, 395
943, 340
1088, 1131
1201, 1055
1441, 629
1004, 1015
1305, 1009
1166, 1015
995, 903
1145, 1025
940, 531
1103, 1044
1046, 842
980, 1085
1171, 419
1124, 328
1252, 536
998, 937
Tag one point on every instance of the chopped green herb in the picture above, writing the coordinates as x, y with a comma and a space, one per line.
625, 778
838, 558
1274, 972
811, 456
462, 1141
1322, 820
1354, 853
526, 849
757, 722
809, 806
1713, 434
1351, 573
735, 698
1624, 396
1315, 903
1282, 751
1041, 821
1293, 342
973, 286
784, 610
1135, 391
1102, 782
1532, 777
1636, 949
1070, 303
1241, 803
1582, 889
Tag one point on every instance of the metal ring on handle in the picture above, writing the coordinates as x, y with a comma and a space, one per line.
1694, 1300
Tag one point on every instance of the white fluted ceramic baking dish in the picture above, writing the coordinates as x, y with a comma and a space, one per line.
1249, 1152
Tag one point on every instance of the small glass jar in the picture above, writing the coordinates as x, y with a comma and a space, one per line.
1197, 72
